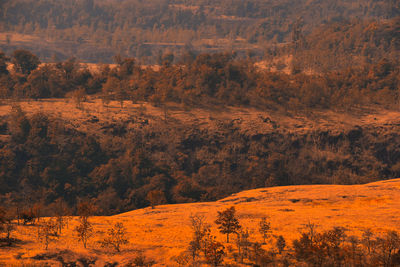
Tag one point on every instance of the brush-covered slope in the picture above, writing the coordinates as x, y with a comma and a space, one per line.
163, 232
115, 156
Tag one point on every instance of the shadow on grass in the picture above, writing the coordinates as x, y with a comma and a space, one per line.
11, 243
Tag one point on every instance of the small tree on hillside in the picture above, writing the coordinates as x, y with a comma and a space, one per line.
387, 247
227, 221
61, 213
48, 232
280, 244
367, 240
156, 197
243, 243
24, 61
214, 252
6, 224
116, 237
200, 230
27, 216
78, 96
264, 228
85, 229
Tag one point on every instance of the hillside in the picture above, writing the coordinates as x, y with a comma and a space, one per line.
95, 30
164, 232
58, 150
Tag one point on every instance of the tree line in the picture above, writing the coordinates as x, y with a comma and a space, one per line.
120, 168
204, 79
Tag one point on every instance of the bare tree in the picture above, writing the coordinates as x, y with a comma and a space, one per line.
264, 228
61, 214
387, 246
367, 239
243, 244
116, 237
84, 229
47, 232
200, 229
78, 96
6, 224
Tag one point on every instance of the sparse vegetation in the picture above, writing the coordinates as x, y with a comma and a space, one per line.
322, 245
47, 232
84, 229
264, 228
214, 251
199, 231
116, 237
6, 224
156, 197
280, 244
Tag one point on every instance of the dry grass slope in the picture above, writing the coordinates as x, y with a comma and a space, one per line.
92, 113
164, 232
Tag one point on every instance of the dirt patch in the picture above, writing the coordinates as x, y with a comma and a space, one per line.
286, 210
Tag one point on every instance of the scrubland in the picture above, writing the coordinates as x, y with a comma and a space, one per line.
161, 233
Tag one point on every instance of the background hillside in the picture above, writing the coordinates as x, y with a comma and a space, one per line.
115, 156
95, 30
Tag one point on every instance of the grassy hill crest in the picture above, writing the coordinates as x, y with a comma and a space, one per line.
164, 232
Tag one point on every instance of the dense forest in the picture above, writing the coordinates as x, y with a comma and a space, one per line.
341, 45
95, 30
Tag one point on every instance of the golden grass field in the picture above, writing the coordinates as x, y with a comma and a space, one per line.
164, 232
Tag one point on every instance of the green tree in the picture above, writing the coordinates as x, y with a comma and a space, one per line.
3, 64
227, 222
44, 82
24, 61
19, 124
